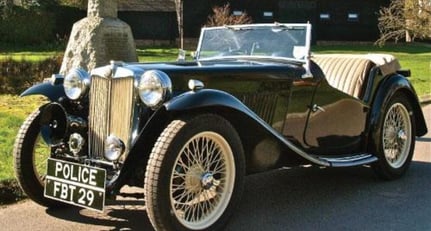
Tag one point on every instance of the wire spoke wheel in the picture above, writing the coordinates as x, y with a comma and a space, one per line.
394, 144
397, 137
41, 153
195, 175
202, 180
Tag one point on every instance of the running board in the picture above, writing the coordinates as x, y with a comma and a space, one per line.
348, 161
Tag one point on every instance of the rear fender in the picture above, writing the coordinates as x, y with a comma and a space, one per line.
392, 85
52, 92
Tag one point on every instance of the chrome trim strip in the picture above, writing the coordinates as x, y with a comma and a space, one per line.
290, 145
346, 158
349, 161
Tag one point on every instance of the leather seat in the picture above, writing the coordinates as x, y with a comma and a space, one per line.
347, 73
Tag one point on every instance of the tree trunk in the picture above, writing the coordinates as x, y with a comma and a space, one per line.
408, 37
179, 10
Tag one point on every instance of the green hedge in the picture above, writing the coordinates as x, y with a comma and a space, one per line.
29, 26
24, 26
16, 76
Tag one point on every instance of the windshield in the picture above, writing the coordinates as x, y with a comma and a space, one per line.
288, 41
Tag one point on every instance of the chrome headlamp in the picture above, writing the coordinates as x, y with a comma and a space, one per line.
76, 83
114, 148
154, 88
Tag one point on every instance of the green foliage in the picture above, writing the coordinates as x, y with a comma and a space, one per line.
409, 19
26, 25
74, 3
16, 76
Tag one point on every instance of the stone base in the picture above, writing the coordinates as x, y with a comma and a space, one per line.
95, 41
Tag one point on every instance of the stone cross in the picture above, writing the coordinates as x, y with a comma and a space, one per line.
99, 38
102, 8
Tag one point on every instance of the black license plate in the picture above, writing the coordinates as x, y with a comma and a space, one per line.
75, 184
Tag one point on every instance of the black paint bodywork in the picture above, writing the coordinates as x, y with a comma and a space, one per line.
270, 105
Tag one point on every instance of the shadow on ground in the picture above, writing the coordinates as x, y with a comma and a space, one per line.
303, 199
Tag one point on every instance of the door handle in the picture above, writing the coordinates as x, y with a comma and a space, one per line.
316, 108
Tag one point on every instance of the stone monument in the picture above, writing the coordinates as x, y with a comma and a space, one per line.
99, 38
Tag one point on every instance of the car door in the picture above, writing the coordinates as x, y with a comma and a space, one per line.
335, 122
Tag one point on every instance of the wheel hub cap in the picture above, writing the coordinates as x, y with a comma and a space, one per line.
391, 133
207, 181
193, 179
402, 135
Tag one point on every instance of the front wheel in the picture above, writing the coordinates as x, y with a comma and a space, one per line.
397, 139
30, 157
195, 174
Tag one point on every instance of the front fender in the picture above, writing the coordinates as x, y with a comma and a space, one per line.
210, 100
388, 88
53, 92
205, 98
237, 113
183, 104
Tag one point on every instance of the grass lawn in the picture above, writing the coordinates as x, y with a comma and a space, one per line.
29, 56
30, 53
144, 54
157, 54
13, 109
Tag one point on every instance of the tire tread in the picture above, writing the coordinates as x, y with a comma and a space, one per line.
24, 167
153, 170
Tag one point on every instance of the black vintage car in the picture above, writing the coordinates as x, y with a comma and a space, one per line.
253, 99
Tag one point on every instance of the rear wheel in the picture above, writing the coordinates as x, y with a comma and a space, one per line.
195, 175
30, 158
397, 140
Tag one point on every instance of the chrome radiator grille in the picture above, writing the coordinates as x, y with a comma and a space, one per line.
111, 110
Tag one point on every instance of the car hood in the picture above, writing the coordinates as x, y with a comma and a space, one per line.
209, 72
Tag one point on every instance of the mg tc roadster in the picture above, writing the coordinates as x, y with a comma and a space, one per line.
254, 98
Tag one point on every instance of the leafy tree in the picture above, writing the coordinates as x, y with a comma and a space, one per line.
26, 22
405, 19
74, 3
222, 15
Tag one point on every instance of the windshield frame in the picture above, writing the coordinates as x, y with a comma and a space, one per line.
273, 26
